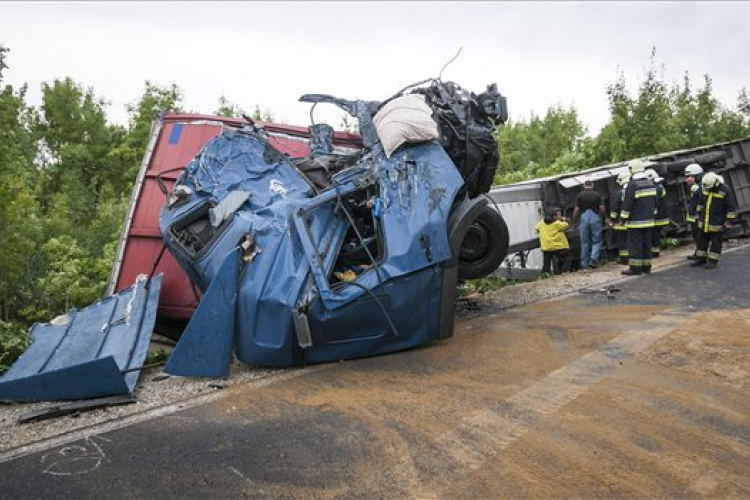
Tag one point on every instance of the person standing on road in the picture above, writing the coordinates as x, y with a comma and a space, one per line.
715, 211
662, 212
693, 177
616, 223
590, 209
638, 211
554, 243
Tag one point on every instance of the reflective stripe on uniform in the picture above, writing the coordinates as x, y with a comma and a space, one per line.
708, 209
700, 253
640, 224
645, 192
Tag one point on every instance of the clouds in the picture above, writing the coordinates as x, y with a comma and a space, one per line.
540, 54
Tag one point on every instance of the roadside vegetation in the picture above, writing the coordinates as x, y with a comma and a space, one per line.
67, 171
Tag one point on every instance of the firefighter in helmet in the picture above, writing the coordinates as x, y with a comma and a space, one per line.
617, 224
639, 205
661, 219
693, 176
714, 212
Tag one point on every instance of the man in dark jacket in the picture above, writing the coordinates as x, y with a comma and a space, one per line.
715, 210
590, 209
638, 210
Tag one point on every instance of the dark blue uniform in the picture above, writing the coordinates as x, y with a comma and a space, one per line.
639, 207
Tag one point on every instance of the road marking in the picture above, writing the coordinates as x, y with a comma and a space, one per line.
87, 432
75, 460
487, 432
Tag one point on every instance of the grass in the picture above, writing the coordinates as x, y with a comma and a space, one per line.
483, 285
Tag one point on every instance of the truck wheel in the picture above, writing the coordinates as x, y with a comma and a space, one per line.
484, 247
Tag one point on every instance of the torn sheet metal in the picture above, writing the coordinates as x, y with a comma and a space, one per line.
85, 356
302, 237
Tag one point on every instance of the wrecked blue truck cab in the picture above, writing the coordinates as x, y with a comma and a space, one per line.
361, 268
341, 254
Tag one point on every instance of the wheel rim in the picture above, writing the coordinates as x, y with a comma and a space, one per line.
475, 244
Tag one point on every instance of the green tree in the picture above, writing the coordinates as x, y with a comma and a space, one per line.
532, 149
265, 116
20, 231
229, 109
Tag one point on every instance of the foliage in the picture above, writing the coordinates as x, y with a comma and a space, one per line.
13, 341
229, 109
669, 243
160, 356
541, 147
265, 116
483, 285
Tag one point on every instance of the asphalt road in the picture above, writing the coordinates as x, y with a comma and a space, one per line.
645, 395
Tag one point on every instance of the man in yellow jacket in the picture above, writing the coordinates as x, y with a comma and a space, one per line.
554, 243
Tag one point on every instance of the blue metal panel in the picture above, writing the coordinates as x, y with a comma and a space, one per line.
84, 357
174, 137
205, 348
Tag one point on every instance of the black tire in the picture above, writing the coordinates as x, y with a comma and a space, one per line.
484, 247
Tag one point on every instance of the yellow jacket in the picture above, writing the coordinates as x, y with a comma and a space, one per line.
552, 235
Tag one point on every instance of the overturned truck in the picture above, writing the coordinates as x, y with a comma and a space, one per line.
525, 202
350, 250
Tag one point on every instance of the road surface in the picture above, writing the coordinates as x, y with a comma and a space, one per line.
644, 395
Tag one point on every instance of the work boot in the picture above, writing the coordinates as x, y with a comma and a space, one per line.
698, 262
711, 265
630, 272
646, 269
692, 257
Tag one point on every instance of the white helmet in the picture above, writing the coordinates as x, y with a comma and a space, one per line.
711, 180
651, 174
623, 178
693, 169
637, 166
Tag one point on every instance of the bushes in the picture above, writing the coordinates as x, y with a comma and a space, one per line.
13, 341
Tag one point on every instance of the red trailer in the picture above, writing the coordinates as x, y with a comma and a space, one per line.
175, 140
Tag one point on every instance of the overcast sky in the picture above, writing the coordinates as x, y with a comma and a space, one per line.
539, 54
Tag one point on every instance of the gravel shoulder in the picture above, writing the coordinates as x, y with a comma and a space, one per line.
154, 390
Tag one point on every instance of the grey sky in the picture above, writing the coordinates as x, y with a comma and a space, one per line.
540, 54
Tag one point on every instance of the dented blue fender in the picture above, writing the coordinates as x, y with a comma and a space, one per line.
93, 352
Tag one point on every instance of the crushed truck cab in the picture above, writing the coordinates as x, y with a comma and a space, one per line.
354, 270
330, 257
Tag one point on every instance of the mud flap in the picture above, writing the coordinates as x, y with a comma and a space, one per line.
91, 353
205, 348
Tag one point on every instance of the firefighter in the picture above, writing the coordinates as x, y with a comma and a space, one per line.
639, 206
617, 224
714, 211
693, 176
662, 212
